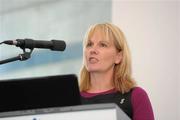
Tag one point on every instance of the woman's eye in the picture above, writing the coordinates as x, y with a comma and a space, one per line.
103, 45
89, 44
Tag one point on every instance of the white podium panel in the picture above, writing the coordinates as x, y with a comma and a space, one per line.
81, 112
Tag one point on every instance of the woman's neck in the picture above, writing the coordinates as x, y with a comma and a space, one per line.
101, 82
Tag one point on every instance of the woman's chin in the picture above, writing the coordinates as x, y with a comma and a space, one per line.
93, 70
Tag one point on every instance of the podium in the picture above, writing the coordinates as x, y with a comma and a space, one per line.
103, 111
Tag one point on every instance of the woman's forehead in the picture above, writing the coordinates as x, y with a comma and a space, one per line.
102, 35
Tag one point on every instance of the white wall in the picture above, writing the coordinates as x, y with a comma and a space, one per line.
151, 30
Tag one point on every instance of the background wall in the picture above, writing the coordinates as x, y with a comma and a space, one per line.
151, 28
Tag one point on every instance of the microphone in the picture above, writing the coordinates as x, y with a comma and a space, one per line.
55, 45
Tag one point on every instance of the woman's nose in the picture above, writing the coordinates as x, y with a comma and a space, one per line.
94, 50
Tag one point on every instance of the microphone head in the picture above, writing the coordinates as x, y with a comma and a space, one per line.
58, 45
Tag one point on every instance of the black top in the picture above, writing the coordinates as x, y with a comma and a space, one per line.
122, 100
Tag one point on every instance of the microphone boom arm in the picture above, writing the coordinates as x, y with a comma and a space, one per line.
26, 55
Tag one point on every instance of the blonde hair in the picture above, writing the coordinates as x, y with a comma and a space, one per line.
122, 72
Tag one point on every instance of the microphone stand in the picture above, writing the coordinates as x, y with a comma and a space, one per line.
21, 57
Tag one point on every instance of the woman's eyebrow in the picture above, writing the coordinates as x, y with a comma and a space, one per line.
105, 41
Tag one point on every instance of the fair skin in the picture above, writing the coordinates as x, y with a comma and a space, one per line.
100, 58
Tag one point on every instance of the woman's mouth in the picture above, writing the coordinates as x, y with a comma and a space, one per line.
93, 60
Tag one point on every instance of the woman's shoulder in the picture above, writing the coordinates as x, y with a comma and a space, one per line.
136, 91
139, 95
141, 104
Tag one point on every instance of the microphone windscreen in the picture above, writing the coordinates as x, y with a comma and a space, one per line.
58, 45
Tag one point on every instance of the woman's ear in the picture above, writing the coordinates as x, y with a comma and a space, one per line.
118, 57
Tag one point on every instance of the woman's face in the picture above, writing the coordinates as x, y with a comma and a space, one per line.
100, 54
